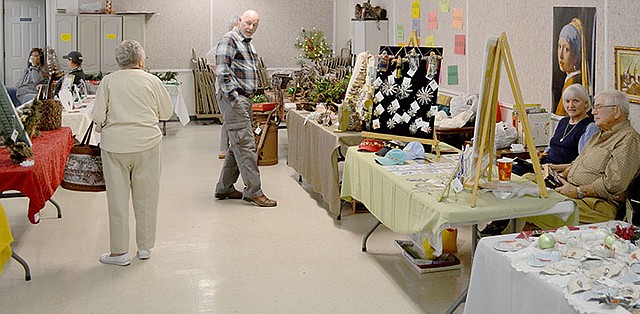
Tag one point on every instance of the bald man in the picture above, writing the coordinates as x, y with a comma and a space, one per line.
237, 72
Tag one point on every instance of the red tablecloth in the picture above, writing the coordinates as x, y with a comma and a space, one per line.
38, 182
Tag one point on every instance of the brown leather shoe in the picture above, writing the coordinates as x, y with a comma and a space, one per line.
261, 201
235, 195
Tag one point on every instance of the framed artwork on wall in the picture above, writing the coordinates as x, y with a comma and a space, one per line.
574, 47
627, 65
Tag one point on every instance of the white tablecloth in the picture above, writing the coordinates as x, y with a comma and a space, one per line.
179, 106
502, 283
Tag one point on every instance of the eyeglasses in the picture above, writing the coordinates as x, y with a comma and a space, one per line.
597, 108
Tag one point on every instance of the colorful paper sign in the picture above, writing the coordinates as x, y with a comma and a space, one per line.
400, 32
432, 19
415, 10
452, 74
111, 36
460, 43
65, 37
456, 18
430, 41
415, 25
444, 6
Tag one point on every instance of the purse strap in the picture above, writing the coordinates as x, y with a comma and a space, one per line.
87, 135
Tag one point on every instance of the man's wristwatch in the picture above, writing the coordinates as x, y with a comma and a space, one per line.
580, 194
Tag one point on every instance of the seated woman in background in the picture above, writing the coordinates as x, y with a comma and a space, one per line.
569, 138
33, 75
573, 132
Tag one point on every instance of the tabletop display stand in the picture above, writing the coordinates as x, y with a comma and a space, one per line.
406, 88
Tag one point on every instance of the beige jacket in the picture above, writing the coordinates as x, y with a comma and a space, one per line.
129, 104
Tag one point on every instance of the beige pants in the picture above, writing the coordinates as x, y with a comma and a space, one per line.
138, 175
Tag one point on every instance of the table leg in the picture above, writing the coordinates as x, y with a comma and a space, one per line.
27, 271
461, 299
366, 236
58, 208
18, 194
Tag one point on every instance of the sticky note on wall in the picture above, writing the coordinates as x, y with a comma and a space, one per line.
460, 43
430, 41
456, 18
415, 10
452, 74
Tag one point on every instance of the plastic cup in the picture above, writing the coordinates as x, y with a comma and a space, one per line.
504, 169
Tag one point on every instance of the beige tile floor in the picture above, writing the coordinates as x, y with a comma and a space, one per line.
219, 256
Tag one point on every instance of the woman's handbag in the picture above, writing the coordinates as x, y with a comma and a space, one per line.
84, 167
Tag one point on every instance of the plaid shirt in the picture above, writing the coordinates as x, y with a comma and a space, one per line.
236, 66
609, 162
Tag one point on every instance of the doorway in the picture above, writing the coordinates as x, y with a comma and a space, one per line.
24, 28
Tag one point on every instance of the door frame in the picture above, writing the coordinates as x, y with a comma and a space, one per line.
49, 12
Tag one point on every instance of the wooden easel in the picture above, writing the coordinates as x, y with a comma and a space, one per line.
489, 107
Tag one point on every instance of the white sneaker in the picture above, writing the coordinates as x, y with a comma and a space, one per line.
121, 260
144, 254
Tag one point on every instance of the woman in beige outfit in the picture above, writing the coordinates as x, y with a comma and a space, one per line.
129, 104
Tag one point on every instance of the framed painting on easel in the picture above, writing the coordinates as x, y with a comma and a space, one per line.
406, 90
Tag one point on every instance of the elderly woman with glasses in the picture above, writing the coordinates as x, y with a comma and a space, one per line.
129, 104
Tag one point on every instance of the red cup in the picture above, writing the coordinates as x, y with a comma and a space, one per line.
504, 169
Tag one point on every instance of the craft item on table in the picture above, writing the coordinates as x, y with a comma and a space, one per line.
546, 241
578, 283
511, 245
414, 150
389, 145
399, 63
370, 145
383, 61
575, 253
543, 258
561, 268
432, 65
393, 157
357, 100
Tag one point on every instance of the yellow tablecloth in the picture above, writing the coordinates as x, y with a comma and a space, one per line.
5, 239
400, 206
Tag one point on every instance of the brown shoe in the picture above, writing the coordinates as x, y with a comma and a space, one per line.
235, 195
261, 201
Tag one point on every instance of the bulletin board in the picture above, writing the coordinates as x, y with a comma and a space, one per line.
405, 89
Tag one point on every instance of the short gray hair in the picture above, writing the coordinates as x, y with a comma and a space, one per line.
577, 91
129, 53
233, 21
617, 98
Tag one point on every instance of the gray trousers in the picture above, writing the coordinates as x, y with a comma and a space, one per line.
241, 159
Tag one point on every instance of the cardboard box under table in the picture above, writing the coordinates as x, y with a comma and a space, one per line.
401, 207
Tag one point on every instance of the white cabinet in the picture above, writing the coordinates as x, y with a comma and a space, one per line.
111, 37
89, 42
134, 28
66, 33
369, 35
97, 36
